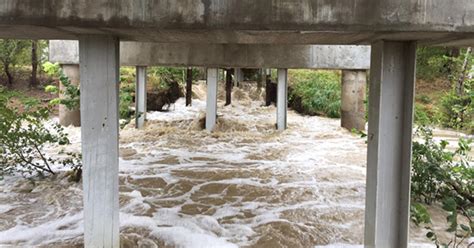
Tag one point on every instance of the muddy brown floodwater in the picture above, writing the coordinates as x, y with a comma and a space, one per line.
245, 185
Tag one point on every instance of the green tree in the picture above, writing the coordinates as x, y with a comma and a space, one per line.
12, 52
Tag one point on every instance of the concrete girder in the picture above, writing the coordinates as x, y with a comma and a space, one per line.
228, 56
242, 21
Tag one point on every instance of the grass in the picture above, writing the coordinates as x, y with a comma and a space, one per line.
315, 92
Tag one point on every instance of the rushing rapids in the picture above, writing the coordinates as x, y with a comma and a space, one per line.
244, 185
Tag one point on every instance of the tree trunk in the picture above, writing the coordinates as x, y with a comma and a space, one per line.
34, 63
8, 73
228, 87
189, 86
462, 77
268, 90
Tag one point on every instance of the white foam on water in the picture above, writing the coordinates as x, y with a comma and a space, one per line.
227, 189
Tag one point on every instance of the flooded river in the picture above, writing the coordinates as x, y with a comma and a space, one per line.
245, 185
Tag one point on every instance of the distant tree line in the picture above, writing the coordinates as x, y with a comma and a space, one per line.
21, 53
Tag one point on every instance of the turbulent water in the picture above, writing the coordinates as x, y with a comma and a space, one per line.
244, 185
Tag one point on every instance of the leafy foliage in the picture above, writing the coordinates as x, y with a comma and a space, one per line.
439, 175
419, 214
71, 94
437, 172
438, 62
23, 136
13, 52
316, 92
458, 110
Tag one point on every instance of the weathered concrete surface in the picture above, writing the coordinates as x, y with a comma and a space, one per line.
353, 99
211, 98
230, 55
100, 140
140, 96
282, 99
70, 117
389, 147
242, 21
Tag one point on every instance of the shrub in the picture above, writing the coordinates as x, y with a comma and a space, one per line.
437, 172
71, 95
434, 62
23, 136
439, 175
316, 92
457, 111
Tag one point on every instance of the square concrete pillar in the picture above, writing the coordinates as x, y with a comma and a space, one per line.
211, 108
391, 94
99, 72
140, 96
239, 75
67, 116
353, 99
282, 99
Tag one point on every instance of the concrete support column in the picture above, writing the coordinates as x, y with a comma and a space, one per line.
239, 75
261, 79
99, 58
69, 117
140, 97
392, 81
189, 86
282, 99
211, 109
352, 99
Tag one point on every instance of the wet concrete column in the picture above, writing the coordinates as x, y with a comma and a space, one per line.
282, 99
140, 97
69, 117
189, 86
352, 99
211, 108
392, 81
239, 76
99, 56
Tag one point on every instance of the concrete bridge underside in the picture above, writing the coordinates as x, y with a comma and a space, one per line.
392, 27
352, 59
244, 21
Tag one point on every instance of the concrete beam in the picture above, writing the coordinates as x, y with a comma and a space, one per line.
282, 99
100, 127
391, 94
353, 99
140, 96
221, 55
211, 108
241, 21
